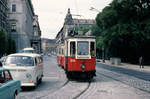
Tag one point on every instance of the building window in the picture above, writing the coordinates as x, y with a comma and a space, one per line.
13, 27
13, 7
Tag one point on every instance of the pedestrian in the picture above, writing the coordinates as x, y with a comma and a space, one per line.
1, 64
141, 62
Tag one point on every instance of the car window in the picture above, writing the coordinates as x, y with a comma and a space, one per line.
28, 51
7, 76
36, 61
2, 78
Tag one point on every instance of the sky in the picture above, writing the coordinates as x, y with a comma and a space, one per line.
51, 13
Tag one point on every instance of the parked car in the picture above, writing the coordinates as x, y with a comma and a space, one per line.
28, 50
28, 68
9, 88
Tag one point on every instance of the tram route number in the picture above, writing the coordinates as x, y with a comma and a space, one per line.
72, 60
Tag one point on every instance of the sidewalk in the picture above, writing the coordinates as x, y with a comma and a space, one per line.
128, 66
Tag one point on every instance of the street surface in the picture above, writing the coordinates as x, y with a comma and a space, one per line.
110, 83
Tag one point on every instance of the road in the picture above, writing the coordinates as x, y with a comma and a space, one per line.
110, 83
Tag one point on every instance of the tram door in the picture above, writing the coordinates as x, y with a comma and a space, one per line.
66, 55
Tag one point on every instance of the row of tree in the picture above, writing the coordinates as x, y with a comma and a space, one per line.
7, 45
123, 30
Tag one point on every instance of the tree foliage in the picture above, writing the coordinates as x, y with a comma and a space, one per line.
124, 26
7, 45
3, 42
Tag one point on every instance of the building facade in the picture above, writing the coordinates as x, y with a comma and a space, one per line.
73, 26
3, 14
48, 46
22, 22
36, 40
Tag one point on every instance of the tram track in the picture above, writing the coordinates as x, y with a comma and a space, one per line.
78, 95
123, 82
66, 82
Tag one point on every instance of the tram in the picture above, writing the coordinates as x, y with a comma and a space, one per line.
77, 55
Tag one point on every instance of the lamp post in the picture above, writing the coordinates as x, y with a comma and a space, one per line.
94, 9
103, 54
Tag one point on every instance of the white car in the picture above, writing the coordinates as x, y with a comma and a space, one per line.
28, 68
28, 50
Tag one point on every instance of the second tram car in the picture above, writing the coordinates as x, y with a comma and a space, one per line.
77, 55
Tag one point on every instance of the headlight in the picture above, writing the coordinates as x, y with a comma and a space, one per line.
83, 66
28, 76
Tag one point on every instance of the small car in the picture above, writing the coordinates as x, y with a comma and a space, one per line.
9, 88
28, 50
26, 67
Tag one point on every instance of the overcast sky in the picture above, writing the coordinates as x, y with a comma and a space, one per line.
52, 12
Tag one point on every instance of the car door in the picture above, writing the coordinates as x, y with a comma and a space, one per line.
9, 84
4, 88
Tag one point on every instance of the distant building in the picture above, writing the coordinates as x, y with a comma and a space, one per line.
48, 45
24, 24
36, 40
3, 14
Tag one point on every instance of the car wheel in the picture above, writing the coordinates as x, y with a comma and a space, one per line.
14, 96
36, 83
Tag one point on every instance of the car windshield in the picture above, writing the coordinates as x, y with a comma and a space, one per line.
28, 51
83, 48
20, 61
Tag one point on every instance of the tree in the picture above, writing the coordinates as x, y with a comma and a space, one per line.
3, 43
124, 29
11, 46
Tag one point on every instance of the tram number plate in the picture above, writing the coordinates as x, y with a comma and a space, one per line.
72, 60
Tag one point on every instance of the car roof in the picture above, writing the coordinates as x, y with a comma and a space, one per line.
3, 69
25, 54
28, 48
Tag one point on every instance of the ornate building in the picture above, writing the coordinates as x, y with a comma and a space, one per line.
36, 40
73, 26
3, 14
25, 29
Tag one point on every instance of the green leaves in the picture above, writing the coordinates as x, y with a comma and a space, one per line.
124, 29
7, 45
3, 42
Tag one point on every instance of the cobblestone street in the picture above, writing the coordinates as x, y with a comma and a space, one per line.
111, 82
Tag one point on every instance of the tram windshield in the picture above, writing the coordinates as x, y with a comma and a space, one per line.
83, 48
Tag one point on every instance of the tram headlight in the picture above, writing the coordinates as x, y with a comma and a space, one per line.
28, 76
83, 66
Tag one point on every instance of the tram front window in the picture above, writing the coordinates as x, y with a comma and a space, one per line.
83, 48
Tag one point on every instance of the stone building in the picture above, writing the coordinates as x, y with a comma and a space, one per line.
36, 40
24, 24
3, 14
48, 46
73, 26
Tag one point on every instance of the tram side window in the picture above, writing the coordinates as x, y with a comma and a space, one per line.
92, 49
72, 49
59, 51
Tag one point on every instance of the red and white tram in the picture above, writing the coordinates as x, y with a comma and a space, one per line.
77, 55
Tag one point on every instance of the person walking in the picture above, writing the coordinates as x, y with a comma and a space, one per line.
141, 62
1, 64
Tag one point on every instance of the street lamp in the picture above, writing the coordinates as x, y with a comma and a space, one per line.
94, 9
103, 54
